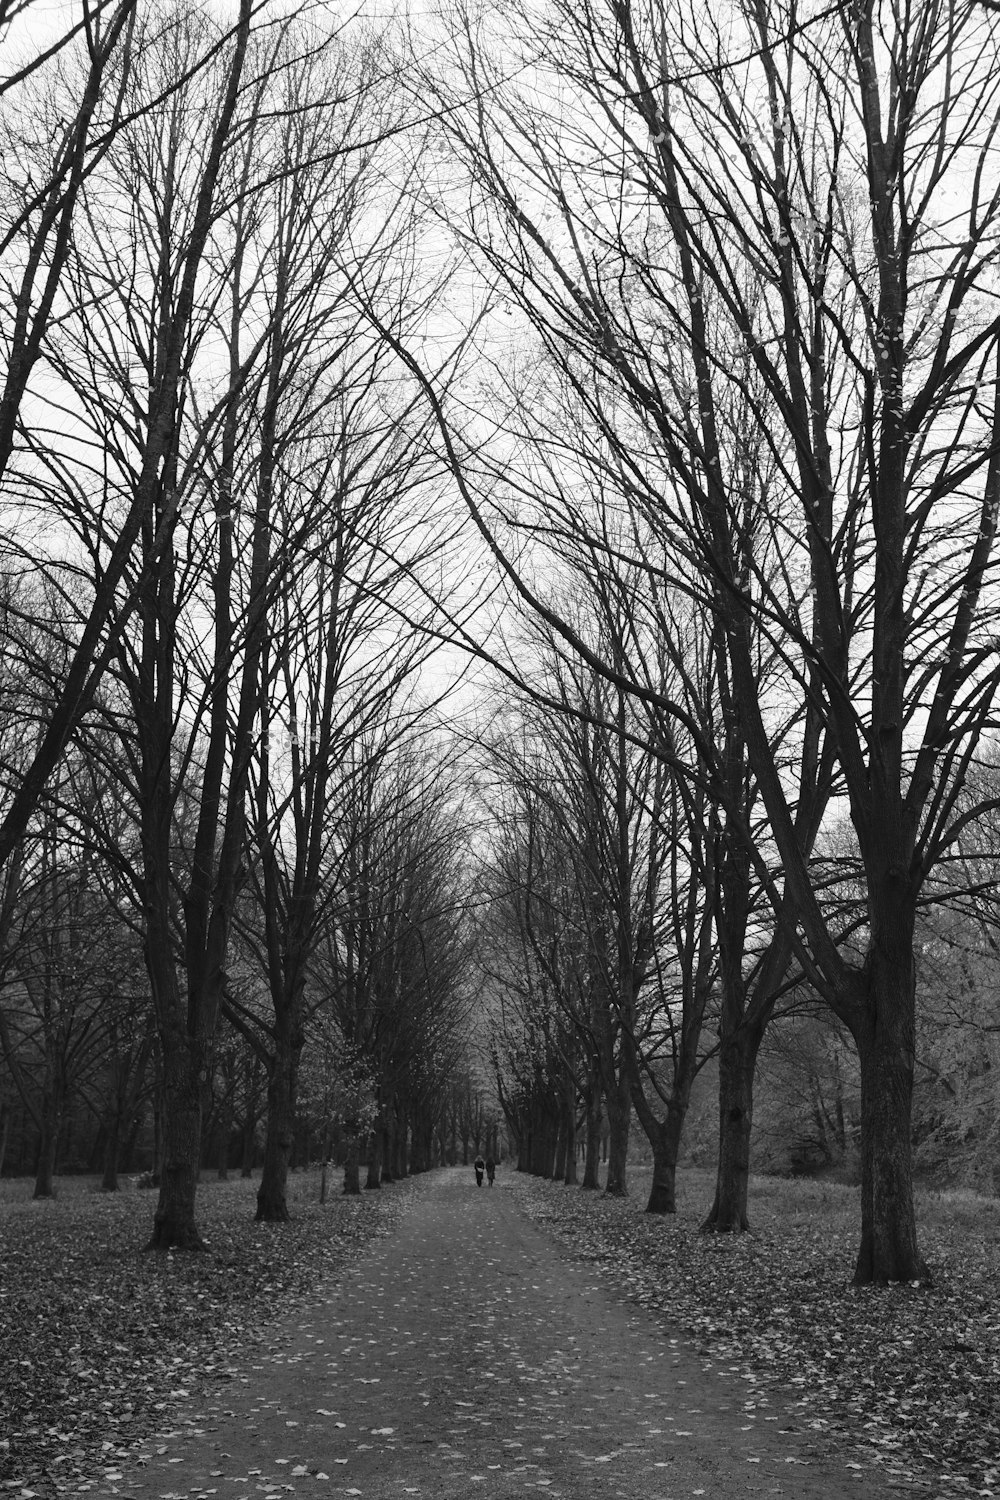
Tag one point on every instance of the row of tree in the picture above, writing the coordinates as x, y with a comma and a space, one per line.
607, 980
717, 386
736, 444
363, 1052
221, 794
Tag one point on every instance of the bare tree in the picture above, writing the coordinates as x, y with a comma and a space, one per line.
747, 207
395, 953
73, 90
206, 298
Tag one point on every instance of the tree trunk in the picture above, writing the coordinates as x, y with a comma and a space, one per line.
888, 1250
543, 1145
249, 1145
352, 1165
559, 1165
112, 1148
666, 1144
592, 1158
185, 1079
279, 1136
375, 1157
47, 1147
737, 1063
398, 1157
570, 1177
619, 1107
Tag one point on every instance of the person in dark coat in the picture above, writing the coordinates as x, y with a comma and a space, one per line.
480, 1167
491, 1169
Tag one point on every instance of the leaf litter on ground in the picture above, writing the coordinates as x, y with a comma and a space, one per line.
912, 1371
98, 1337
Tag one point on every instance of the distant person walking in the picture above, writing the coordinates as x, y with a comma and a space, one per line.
480, 1167
491, 1169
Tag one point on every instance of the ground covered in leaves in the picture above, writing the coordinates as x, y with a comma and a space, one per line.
915, 1370
97, 1337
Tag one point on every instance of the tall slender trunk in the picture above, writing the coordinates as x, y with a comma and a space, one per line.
544, 1144
525, 1147
421, 1136
427, 1145
399, 1150
185, 1078
559, 1164
388, 1144
570, 1177
48, 1145
279, 1137
737, 1064
249, 1144
224, 1131
249, 1131
375, 1156
112, 1151
352, 1165
619, 1107
595, 1119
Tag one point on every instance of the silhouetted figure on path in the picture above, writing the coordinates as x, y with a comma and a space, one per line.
491, 1169
480, 1167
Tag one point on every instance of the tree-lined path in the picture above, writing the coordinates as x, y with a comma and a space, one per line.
462, 1355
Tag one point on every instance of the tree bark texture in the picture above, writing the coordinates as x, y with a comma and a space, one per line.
619, 1107
51, 1123
352, 1166
737, 1064
592, 1155
666, 1143
375, 1155
888, 1251
272, 1194
184, 1084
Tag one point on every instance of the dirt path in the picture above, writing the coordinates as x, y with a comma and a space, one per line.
463, 1356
